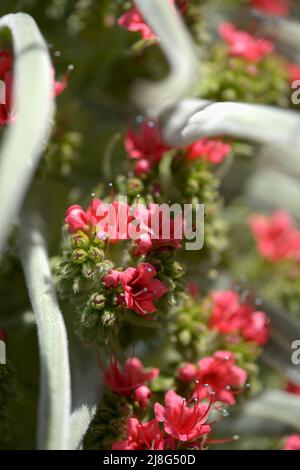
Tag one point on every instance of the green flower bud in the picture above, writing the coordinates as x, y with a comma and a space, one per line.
96, 255
134, 186
80, 240
192, 186
97, 301
178, 270
185, 337
88, 270
108, 318
79, 256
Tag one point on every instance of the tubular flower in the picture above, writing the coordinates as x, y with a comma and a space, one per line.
229, 316
183, 420
145, 145
140, 288
129, 380
242, 44
292, 388
211, 150
223, 376
141, 436
276, 236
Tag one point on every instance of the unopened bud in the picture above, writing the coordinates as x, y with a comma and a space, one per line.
134, 186
108, 318
79, 256
96, 255
97, 301
80, 240
88, 270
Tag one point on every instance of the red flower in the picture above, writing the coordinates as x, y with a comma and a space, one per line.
76, 219
131, 378
140, 288
134, 21
182, 421
211, 150
293, 71
292, 442
145, 145
187, 372
292, 388
222, 375
6, 75
141, 436
242, 44
272, 7
276, 236
229, 316
142, 395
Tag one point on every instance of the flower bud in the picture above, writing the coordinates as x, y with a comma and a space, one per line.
108, 318
97, 301
178, 270
142, 395
96, 255
80, 240
79, 256
88, 270
134, 186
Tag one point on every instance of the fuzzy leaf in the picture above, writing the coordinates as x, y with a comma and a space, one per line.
55, 387
24, 139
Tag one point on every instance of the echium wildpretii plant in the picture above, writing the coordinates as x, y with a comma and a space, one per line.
127, 291
178, 334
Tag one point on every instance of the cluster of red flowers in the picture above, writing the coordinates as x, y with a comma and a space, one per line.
6, 75
243, 44
232, 317
276, 236
146, 145
184, 422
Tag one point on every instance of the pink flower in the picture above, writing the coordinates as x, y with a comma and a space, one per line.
276, 236
134, 21
146, 145
187, 372
293, 71
142, 395
242, 44
222, 375
292, 442
182, 421
131, 378
211, 150
141, 436
6, 75
229, 316
272, 7
140, 288
292, 388
76, 219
